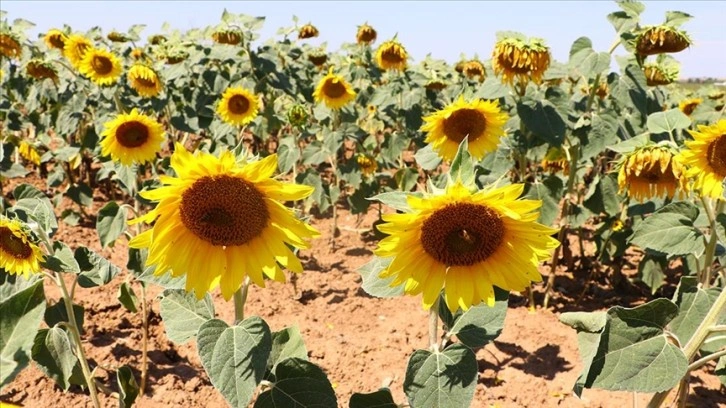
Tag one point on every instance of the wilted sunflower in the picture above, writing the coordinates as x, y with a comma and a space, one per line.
466, 243
334, 91
661, 39
18, 253
658, 74
652, 171
115, 36
132, 138
41, 70
238, 106
481, 121
218, 221
229, 36
435, 85
367, 164
101, 66
307, 31
55, 38
391, 55
556, 160
474, 69
28, 152
144, 80
705, 157
687, 106
75, 48
9, 45
318, 58
366, 34
517, 59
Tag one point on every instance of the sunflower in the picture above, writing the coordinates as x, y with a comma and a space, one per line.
515, 58
75, 49
367, 164
652, 171
19, 254
132, 138
687, 106
366, 34
297, 115
101, 66
481, 121
556, 160
474, 69
157, 39
9, 45
318, 58
391, 55
238, 106
41, 70
658, 74
705, 157
28, 152
307, 31
176, 56
115, 36
617, 225
466, 243
218, 221
459, 67
334, 91
661, 39
230, 37
716, 94
144, 80
435, 85
137, 53
55, 38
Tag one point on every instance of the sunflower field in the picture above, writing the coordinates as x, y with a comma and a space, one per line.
188, 219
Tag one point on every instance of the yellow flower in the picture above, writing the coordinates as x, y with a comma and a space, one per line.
144, 80
367, 164
28, 152
517, 59
465, 243
307, 31
556, 160
238, 106
661, 39
132, 138
101, 66
75, 48
41, 70
391, 55
617, 225
9, 45
218, 221
366, 34
687, 106
652, 171
482, 121
137, 53
231, 37
55, 38
474, 69
18, 254
334, 91
705, 157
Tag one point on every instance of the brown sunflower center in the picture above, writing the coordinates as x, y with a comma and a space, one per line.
334, 88
101, 65
132, 134
145, 83
465, 122
717, 155
13, 245
224, 210
462, 234
238, 104
392, 55
57, 41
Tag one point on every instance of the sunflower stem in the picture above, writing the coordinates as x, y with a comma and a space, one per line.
240, 298
144, 340
712, 242
434, 325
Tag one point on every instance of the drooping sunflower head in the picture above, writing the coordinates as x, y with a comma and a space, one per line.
101, 66
705, 157
466, 243
658, 74
366, 34
297, 115
716, 94
19, 254
661, 39
137, 54
115, 36
75, 48
174, 57
144, 80
218, 222
652, 171
9, 45
132, 138
55, 38
318, 57
334, 91
238, 106
28, 152
515, 58
367, 164
474, 69
687, 106
227, 36
479, 120
40, 70
391, 56
556, 160
307, 31
435, 85
459, 67
157, 39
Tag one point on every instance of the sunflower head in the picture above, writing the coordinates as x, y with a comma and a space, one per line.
40, 70
157, 39
435, 85
238, 106
297, 115
652, 171
474, 69
371, 109
227, 36
366, 34
19, 254
659, 74
716, 94
137, 53
218, 222
705, 157
515, 58
602, 90
176, 56
617, 225
307, 31
28, 152
334, 91
391, 56
132, 138
144, 80
482, 122
75, 48
115, 36
459, 67
687, 106
55, 38
367, 164
556, 160
101, 66
661, 39
318, 58
9, 45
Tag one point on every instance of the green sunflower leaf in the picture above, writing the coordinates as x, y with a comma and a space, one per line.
110, 223
183, 314
379, 399
298, 383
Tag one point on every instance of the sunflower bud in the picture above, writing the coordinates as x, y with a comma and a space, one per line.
297, 116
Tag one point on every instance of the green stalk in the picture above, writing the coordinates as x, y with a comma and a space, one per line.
434, 325
710, 253
240, 298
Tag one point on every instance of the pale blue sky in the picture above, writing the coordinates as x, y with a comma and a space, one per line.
444, 29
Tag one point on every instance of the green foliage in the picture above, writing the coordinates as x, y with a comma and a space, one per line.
670, 231
441, 378
378, 399
183, 314
298, 383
